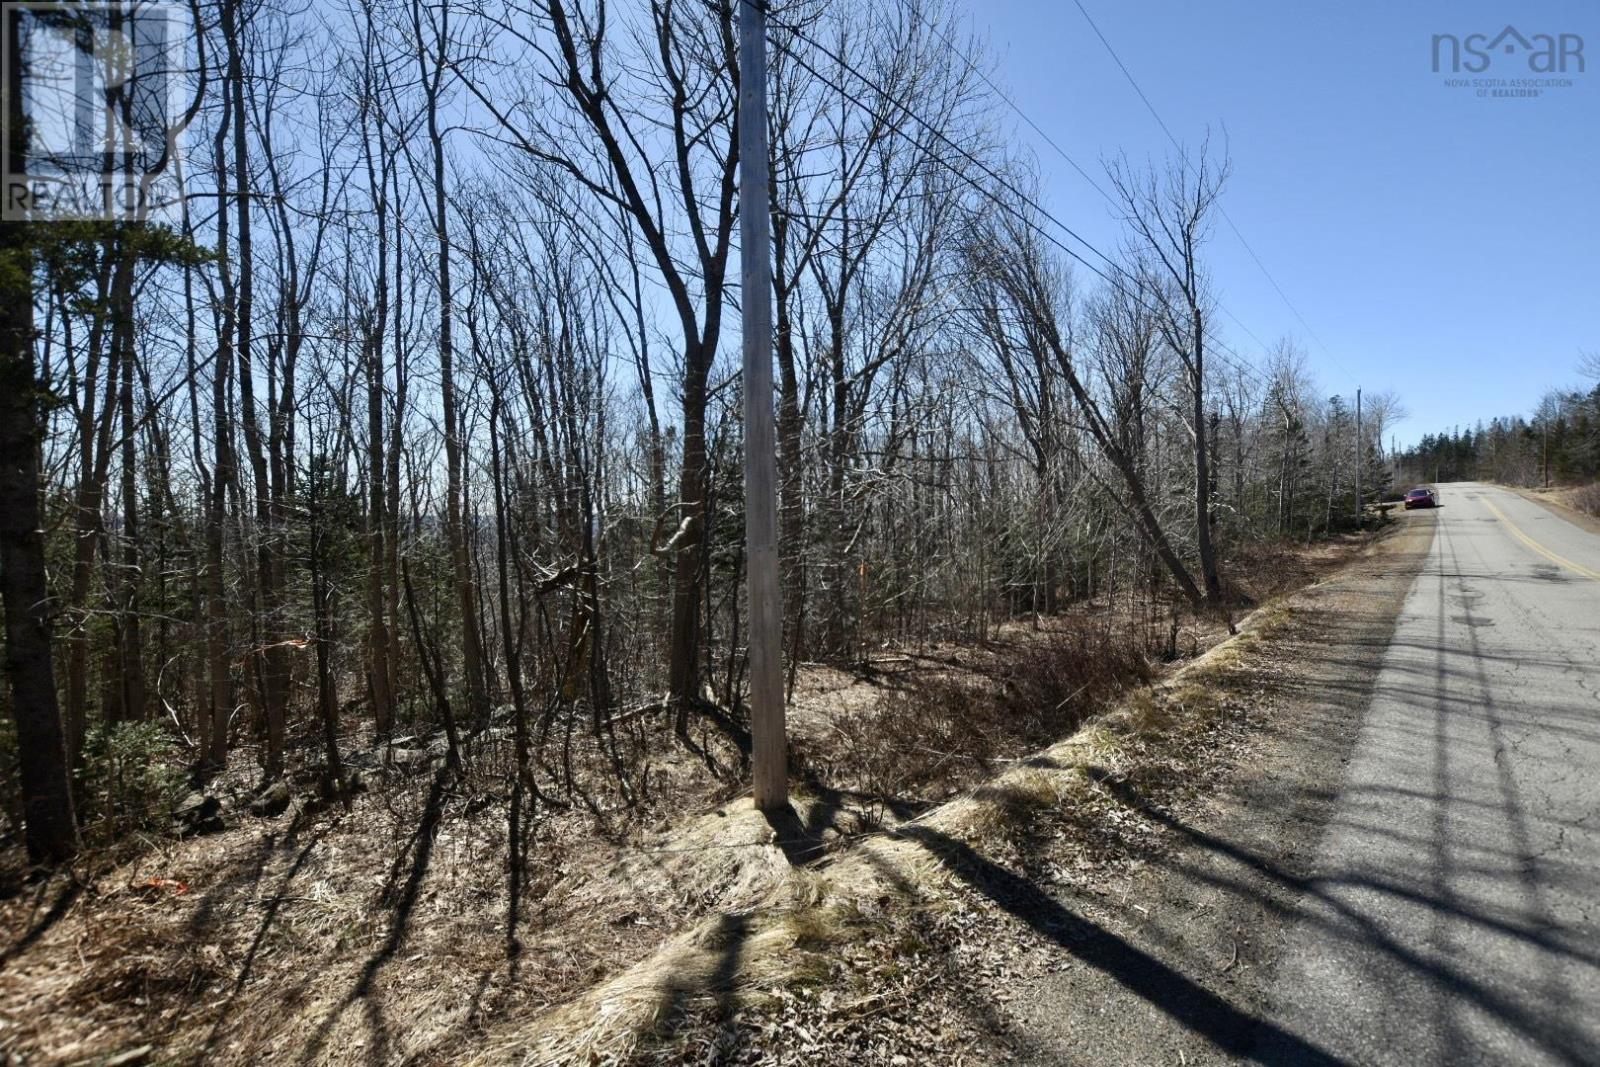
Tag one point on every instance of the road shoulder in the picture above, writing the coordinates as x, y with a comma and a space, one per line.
1214, 897
1555, 504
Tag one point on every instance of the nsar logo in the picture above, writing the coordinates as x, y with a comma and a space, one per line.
1544, 53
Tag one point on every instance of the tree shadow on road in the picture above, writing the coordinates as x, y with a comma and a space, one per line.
1556, 1036
1195, 1007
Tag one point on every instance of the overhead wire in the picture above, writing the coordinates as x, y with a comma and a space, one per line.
1011, 103
1226, 352
1223, 211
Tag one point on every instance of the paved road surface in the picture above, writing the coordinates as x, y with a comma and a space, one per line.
1461, 919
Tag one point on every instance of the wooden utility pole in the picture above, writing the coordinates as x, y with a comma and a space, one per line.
1358, 460
768, 740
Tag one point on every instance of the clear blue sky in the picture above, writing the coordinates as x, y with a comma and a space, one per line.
1441, 245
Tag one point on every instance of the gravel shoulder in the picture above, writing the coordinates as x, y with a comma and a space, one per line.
1203, 916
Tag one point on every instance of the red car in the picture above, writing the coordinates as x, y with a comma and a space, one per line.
1421, 498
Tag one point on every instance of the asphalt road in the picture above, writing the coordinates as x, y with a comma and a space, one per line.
1457, 915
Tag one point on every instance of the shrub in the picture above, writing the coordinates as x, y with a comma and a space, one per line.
941, 728
131, 780
1588, 499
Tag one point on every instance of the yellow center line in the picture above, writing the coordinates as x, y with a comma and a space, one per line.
1562, 561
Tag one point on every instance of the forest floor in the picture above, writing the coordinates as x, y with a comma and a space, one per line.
678, 927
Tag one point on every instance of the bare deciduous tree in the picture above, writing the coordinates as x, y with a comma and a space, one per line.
1170, 217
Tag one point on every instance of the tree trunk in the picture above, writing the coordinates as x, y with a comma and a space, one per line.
455, 535
272, 652
50, 829
683, 670
95, 423
130, 644
377, 164
378, 668
791, 511
1202, 469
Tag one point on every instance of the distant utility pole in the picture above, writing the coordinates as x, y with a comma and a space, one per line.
768, 741
1359, 516
1544, 460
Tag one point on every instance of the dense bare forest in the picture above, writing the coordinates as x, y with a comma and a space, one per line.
422, 417
405, 447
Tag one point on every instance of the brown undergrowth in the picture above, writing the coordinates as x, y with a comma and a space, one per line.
1587, 499
835, 947
680, 926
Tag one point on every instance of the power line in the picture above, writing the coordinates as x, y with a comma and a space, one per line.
1236, 361
1184, 160
1010, 102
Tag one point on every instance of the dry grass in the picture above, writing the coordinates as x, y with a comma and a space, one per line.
381, 935
945, 728
886, 884
1587, 499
